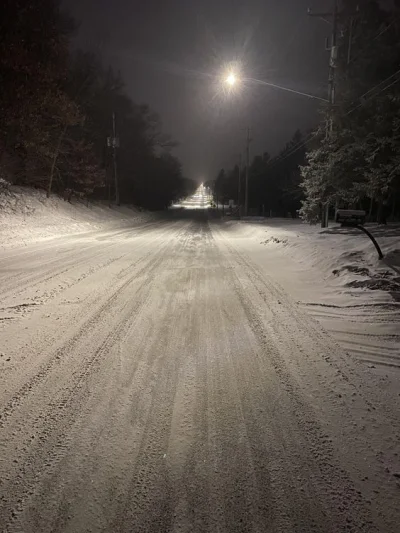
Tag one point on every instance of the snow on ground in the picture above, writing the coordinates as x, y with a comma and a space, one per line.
165, 366
27, 216
336, 276
200, 200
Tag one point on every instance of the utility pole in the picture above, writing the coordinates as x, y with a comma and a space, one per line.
332, 63
240, 186
246, 198
333, 49
115, 144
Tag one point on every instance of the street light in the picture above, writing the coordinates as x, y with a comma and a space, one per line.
231, 81
230, 76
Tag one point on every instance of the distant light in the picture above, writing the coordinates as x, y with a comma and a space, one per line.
231, 79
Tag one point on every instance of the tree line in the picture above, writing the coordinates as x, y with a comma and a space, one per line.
352, 158
57, 106
275, 186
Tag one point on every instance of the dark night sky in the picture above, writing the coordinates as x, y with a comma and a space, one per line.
169, 51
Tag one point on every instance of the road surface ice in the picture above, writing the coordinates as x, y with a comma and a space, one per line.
157, 379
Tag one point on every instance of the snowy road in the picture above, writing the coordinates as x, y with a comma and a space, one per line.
155, 379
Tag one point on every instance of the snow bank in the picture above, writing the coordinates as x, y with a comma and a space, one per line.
27, 216
336, 276
343, 257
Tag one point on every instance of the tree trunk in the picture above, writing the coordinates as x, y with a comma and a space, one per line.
117, 200
371, 203
393, 213
109, 189
325, 216
379, 215
53, 164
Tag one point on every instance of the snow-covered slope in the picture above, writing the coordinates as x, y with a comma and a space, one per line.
343, 257
336, 276
26, 216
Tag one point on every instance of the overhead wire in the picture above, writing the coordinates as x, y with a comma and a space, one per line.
379, 33
293, 150
362, 97
305, 141
362, 100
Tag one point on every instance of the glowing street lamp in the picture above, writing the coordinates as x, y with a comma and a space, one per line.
231, 83
231, 79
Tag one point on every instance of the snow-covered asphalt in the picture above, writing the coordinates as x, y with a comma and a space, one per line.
155, 379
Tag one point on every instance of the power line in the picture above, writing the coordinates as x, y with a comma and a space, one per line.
331, 99
368, 99
385, 29
293, 150
362, 97
380, 83
302, 143
381, 32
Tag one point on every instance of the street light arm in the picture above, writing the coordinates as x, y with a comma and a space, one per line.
269, 84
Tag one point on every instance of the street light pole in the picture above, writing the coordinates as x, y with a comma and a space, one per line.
246, 198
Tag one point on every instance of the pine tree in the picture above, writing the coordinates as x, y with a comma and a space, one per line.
33, 67
358, 160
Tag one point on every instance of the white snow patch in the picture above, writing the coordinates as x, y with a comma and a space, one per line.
27, 216
336, 275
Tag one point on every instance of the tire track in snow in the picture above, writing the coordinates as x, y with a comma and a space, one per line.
60, 266
59, 414
51, 425
295, 330
199, 421
125, 277
83, 331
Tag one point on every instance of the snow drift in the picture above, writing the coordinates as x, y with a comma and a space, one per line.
27, 216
